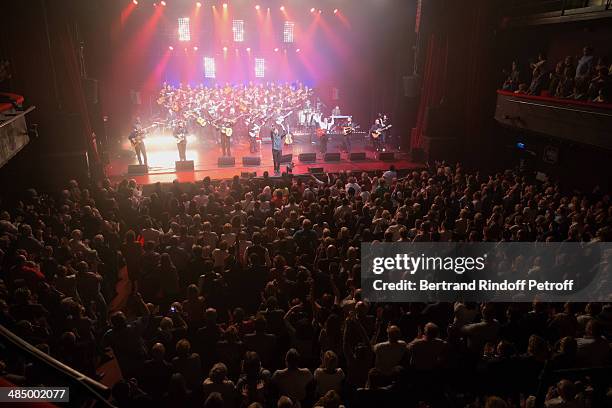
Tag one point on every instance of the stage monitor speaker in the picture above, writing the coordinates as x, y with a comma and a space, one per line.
137, 169
308, 157
186, 165
315, 170
227, 161
386, 156
251, 161
248, 174
286, 158
332, 157
358, 156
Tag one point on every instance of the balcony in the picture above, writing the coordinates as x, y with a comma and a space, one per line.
13, 129
576, 121
529, 12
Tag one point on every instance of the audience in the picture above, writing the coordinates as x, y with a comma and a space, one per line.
589, 79
226, 278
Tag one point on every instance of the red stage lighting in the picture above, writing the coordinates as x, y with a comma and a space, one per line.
170, 47
335, 11
312, 10
163, 3
135, 1
320, 11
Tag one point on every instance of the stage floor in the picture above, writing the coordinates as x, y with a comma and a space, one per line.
162, 154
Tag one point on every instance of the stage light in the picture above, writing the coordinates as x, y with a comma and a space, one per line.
282, 8
198, 4
195, 48
248, 49
288, 29
224, 5
184, 32
320, 11
297, 50
170, 47
276, 50
135, 2
163, 3
224, 49
335, 11
260, 67
238, 30
312, 10
257, 7
209, 67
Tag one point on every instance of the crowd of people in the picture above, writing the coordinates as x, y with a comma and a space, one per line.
585, 78
246, 292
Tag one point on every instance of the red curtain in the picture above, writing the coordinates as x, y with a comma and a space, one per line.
434, 81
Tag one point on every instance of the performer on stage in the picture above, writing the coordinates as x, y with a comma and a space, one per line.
136, 137
226, 134
180, 134
336, 111
347, 131
325, 126
277, 136
379, 131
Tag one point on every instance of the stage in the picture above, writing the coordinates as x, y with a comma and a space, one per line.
204, 150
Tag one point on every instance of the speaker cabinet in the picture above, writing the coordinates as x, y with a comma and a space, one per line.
358, 156
227, 161
332, 157
386, 156
248, 174
308, 157
186, 165
315, 170
286, 158
134, 169
251, 161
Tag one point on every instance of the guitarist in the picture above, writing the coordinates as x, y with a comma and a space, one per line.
379, 128
226, 134
277, 136
180, 134
136, 137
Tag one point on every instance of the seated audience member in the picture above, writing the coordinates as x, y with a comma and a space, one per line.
293, 381
389, 354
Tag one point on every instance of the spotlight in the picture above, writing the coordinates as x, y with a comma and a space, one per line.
195, 48
312, 10
282, 8
225, 49
320, 11
135, 1
163, 3
248, 49
198, 4
224, 5
335, 11
297, 50
257, 7
276, 50
170, 47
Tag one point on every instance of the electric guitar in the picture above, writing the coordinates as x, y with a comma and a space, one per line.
254, 132
281, 118
347, 130
138, 136
376, 133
